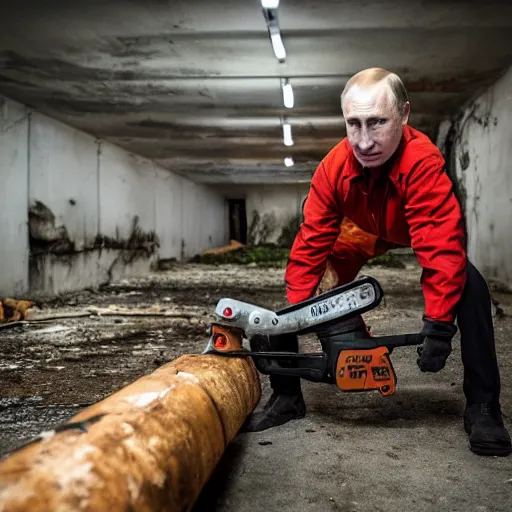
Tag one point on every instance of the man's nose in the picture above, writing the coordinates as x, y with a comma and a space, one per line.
366, 142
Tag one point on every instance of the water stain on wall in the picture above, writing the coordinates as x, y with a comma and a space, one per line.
50, 244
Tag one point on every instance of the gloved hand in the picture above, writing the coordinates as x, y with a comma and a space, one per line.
437, 345
433, 354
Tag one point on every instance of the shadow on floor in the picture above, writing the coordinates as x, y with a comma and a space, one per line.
223, 477
407, 408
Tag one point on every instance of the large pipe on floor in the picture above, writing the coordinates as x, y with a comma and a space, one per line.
150, 446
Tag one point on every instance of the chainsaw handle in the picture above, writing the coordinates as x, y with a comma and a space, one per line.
399, 340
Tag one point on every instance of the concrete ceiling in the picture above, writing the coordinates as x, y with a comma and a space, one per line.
195, 84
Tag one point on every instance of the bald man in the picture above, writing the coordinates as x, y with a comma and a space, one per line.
384, 186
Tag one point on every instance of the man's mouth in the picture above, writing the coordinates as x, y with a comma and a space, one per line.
370, 156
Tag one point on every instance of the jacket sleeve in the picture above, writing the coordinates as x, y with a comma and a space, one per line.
315, 239
437, 237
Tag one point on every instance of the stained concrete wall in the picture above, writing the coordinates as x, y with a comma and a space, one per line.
13, 198
480, 146
273, 211
78, 212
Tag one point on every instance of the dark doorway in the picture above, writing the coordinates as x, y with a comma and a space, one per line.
237, 220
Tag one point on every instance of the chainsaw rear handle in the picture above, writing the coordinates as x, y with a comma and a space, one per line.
356, 364
390, 342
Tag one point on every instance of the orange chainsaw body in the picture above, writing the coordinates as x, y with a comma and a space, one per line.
364, 370
356, 369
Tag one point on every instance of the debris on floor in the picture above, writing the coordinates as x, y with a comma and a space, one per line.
254, 255
13, 310
50, 370
232, 246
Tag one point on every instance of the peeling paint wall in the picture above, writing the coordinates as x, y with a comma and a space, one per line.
480, 152
78, 212
273, 211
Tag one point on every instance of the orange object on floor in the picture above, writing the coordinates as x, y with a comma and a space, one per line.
233, 245
12, 310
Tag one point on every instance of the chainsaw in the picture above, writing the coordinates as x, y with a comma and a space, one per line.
353, 363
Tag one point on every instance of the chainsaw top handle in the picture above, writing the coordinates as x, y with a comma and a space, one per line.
343, 302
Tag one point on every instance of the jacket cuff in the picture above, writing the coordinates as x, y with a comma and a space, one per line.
438, 330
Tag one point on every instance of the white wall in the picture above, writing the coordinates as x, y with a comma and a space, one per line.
14, 124
483, 166
126, 192
192, 221
276, 205
169, 217
96, 194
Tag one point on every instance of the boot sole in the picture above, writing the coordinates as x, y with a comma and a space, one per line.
488, 451
485, 449
280, 421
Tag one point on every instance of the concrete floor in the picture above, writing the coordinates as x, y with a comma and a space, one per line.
351, 453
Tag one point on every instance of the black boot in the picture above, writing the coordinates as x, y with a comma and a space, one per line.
487, 433
280, 409
286, 402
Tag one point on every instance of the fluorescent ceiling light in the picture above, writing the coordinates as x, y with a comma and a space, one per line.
270, 4
287, 135
287, 93
278, 46
288, 161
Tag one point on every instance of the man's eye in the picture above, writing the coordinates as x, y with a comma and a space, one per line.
375, 123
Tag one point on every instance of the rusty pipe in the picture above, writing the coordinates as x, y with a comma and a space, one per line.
150, 447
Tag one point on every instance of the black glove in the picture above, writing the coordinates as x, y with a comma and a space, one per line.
437, 345
433, 354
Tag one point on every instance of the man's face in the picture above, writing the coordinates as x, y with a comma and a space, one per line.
374, 125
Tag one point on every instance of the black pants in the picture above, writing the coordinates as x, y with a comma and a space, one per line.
474, 319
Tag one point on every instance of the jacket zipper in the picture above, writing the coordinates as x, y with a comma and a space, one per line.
366, 190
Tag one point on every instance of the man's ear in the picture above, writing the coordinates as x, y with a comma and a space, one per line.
405, 113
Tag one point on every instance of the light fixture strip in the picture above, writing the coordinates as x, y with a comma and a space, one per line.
270, 4
277, 45
270, 15
287, 134
288, 98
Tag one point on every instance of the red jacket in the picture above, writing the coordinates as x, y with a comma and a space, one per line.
409, 201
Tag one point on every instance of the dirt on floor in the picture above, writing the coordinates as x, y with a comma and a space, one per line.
351, 452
